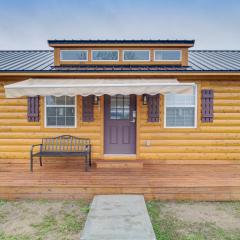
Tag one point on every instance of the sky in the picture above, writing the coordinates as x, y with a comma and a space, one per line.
28, 24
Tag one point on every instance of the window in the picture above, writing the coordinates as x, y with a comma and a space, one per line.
167, 55
180, 110
120, 107
74, 55
136, 55
104, 55
60, 111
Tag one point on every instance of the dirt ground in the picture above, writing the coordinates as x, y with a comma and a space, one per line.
222, 215
195, 220
38, 220
64, 220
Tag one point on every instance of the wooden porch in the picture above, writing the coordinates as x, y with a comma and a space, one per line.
63, 179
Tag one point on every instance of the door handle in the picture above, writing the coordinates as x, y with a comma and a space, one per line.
133, 117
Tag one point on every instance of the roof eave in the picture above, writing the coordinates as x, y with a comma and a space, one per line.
112, 73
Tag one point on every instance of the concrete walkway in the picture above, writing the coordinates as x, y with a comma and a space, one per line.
118, 217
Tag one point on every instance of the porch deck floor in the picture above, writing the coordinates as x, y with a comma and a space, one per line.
67, 180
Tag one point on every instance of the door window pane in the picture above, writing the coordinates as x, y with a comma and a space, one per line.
120, 107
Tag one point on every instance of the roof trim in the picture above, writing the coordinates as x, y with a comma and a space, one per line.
111, 41
121, 71
221, 76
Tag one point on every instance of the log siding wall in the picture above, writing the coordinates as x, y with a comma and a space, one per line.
17, 134
219, 140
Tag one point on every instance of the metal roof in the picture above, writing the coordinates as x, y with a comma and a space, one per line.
43, 61
117, 41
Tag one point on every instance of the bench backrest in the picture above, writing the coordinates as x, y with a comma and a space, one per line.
64, 143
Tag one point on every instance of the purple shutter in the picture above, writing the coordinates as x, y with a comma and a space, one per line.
33, 109
207, 105
153, 108
87, 108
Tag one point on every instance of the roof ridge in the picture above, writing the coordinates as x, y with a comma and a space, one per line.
119, 41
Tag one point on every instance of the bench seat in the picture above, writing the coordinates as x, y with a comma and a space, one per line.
58, 154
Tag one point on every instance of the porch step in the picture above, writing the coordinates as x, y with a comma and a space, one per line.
120, 157
119, 164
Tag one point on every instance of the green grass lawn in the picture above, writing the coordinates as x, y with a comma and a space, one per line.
195, 221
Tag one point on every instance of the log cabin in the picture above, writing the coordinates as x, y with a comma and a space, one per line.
163, 120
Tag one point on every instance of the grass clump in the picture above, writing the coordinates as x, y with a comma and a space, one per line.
2, 202
71, 224
4, 236
164, 227
47, 225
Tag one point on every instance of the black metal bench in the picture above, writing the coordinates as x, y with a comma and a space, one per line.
62, 146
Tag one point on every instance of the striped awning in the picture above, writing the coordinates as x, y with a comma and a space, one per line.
98, 87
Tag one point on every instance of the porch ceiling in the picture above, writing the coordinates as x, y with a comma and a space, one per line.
98, 87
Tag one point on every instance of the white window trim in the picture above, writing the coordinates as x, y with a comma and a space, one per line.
71, 50
102, 50
45, 114
195, 106
157, 60
126, 60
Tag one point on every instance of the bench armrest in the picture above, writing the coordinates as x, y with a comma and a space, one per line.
88, 147
35, 145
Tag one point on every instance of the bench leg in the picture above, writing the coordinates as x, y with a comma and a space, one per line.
90, 159
40, 160
31, 162
86, 162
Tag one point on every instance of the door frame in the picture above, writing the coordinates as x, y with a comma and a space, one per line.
137, 140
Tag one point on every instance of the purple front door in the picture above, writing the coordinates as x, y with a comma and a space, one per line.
120, 124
